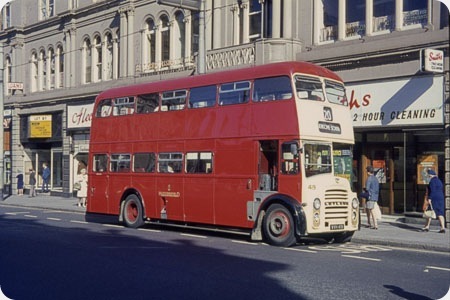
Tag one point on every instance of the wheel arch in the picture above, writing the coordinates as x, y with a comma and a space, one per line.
291, 204
126, 193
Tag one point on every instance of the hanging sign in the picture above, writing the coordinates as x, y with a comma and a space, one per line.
433, 61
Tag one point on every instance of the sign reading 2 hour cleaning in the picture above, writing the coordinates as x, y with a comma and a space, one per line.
40, 126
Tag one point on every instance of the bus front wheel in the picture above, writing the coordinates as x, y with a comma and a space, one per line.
278, 226
133, 212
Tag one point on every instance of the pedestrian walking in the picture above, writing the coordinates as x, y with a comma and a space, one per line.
82, 179
371, 194
20, 184
435, 192
45, 178
32, 183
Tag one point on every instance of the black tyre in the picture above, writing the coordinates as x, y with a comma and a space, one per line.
278, 226
133, 212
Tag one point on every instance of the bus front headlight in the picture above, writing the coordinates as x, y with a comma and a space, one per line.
316, 203
355, 203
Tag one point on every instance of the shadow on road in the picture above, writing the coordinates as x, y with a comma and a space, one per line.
39, 261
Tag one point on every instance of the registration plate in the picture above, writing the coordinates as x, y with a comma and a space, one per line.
337, 226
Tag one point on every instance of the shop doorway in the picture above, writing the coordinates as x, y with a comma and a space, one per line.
53, 158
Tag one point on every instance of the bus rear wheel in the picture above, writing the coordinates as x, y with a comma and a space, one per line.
133, 212
278, 226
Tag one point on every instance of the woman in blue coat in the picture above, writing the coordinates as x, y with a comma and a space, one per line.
436, 199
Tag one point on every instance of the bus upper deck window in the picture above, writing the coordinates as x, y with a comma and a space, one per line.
104, 108
147, 103
234, 93
173, 100
204, 96
123, 106
274, 88
309, 88
335, 92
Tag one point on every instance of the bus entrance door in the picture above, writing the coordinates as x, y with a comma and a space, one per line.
267, 165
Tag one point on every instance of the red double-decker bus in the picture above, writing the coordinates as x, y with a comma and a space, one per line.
265, 149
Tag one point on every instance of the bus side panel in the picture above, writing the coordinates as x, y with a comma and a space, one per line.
145, 184
234, 156
200, 123
230, 202
199, 199
233, 121
274, 117
170, 196
118, 183
97, 201
171, 125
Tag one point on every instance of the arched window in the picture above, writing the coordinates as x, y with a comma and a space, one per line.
165, 38
51, 69
149, 42
59, 64
8, 74
34, 72
98, 59
180, 37
108, 57
42, 71
87, 61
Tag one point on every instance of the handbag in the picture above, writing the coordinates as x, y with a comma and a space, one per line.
429, 213
77, 186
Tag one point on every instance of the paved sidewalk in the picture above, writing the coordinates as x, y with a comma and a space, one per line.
396, 231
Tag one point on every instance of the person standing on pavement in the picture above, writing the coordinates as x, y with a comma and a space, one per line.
32, 183
45, 178
20, 184
436, 199
371, 194
82, 192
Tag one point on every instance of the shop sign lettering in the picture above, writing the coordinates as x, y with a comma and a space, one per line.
79, 116
414, 101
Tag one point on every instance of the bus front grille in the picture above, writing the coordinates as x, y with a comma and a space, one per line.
336, 205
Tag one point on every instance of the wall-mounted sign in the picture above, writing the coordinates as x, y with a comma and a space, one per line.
79, 116
40, 126
432, 61
15, 86
404, 102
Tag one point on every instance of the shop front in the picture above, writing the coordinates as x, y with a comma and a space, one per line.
41, 143
399, 130
78, 128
